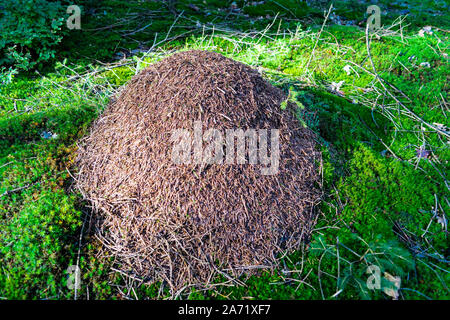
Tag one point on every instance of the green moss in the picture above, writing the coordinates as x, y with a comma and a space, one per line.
381, 191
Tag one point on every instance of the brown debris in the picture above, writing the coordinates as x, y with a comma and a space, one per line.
181, 224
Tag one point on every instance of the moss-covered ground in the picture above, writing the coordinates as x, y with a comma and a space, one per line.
378, 102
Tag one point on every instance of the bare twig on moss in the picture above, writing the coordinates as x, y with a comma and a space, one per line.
8, 192
382, 83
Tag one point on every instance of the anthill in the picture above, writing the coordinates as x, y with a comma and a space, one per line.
182, 222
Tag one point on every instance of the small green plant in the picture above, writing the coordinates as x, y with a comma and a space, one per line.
7, 75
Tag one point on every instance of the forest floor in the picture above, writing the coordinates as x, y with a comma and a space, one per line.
377, 100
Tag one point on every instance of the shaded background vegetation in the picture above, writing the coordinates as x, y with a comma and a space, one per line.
384, 170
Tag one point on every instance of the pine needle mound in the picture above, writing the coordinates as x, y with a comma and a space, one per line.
183, 223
